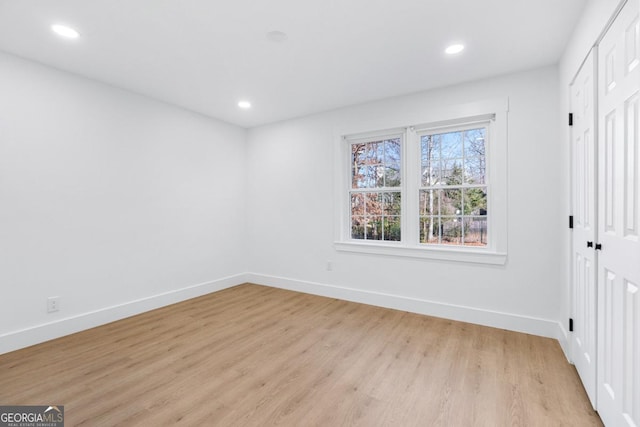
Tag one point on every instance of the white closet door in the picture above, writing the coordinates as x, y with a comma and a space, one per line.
583, 150
618, 221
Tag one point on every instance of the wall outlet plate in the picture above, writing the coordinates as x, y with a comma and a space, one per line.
53, 304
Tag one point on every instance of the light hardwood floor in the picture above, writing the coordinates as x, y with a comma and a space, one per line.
258, 356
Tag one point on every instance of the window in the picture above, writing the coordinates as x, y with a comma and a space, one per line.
453, 187
375, 189
436, 190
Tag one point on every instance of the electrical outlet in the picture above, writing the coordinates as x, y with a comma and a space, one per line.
53, 304
329, 266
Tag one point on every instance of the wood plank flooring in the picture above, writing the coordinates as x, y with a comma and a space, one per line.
258, 356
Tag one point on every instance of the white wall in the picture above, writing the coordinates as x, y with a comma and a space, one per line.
593, 21
110, 200
290, 216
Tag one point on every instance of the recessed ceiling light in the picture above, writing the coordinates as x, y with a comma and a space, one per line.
277, 36
454, 48
244, 105
64, 31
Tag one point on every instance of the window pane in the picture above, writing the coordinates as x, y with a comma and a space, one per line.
474, 140
363, 177
451, 202
374, 152
363, 172
452, 172
429, 230
429, 149
374, 228
392, 175
475, 231
474, 153
379, 175
431, 175
475, 201
356, 171
359, 170
371, 176
357, 227
429, 202
451, 231
392, 162
474, 170
430, 159
392, 228
451, 145
391, 203
358, 152
373, 204
357, 204
392, 151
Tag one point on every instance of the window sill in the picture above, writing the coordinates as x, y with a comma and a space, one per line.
478, 256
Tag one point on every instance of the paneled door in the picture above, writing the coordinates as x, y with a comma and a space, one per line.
618, 221
583, 150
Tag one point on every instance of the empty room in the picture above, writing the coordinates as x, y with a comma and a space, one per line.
320, 213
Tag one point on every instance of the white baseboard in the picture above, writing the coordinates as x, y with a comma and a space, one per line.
34, 335
508, 321
563, 339
37, 334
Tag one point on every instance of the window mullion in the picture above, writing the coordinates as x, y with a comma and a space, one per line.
412, 173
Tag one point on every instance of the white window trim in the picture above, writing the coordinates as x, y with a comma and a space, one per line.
442, 117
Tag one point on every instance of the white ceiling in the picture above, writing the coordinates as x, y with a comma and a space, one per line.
206, 55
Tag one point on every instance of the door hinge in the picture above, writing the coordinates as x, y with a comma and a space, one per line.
570, 325
570, 119
570, 221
